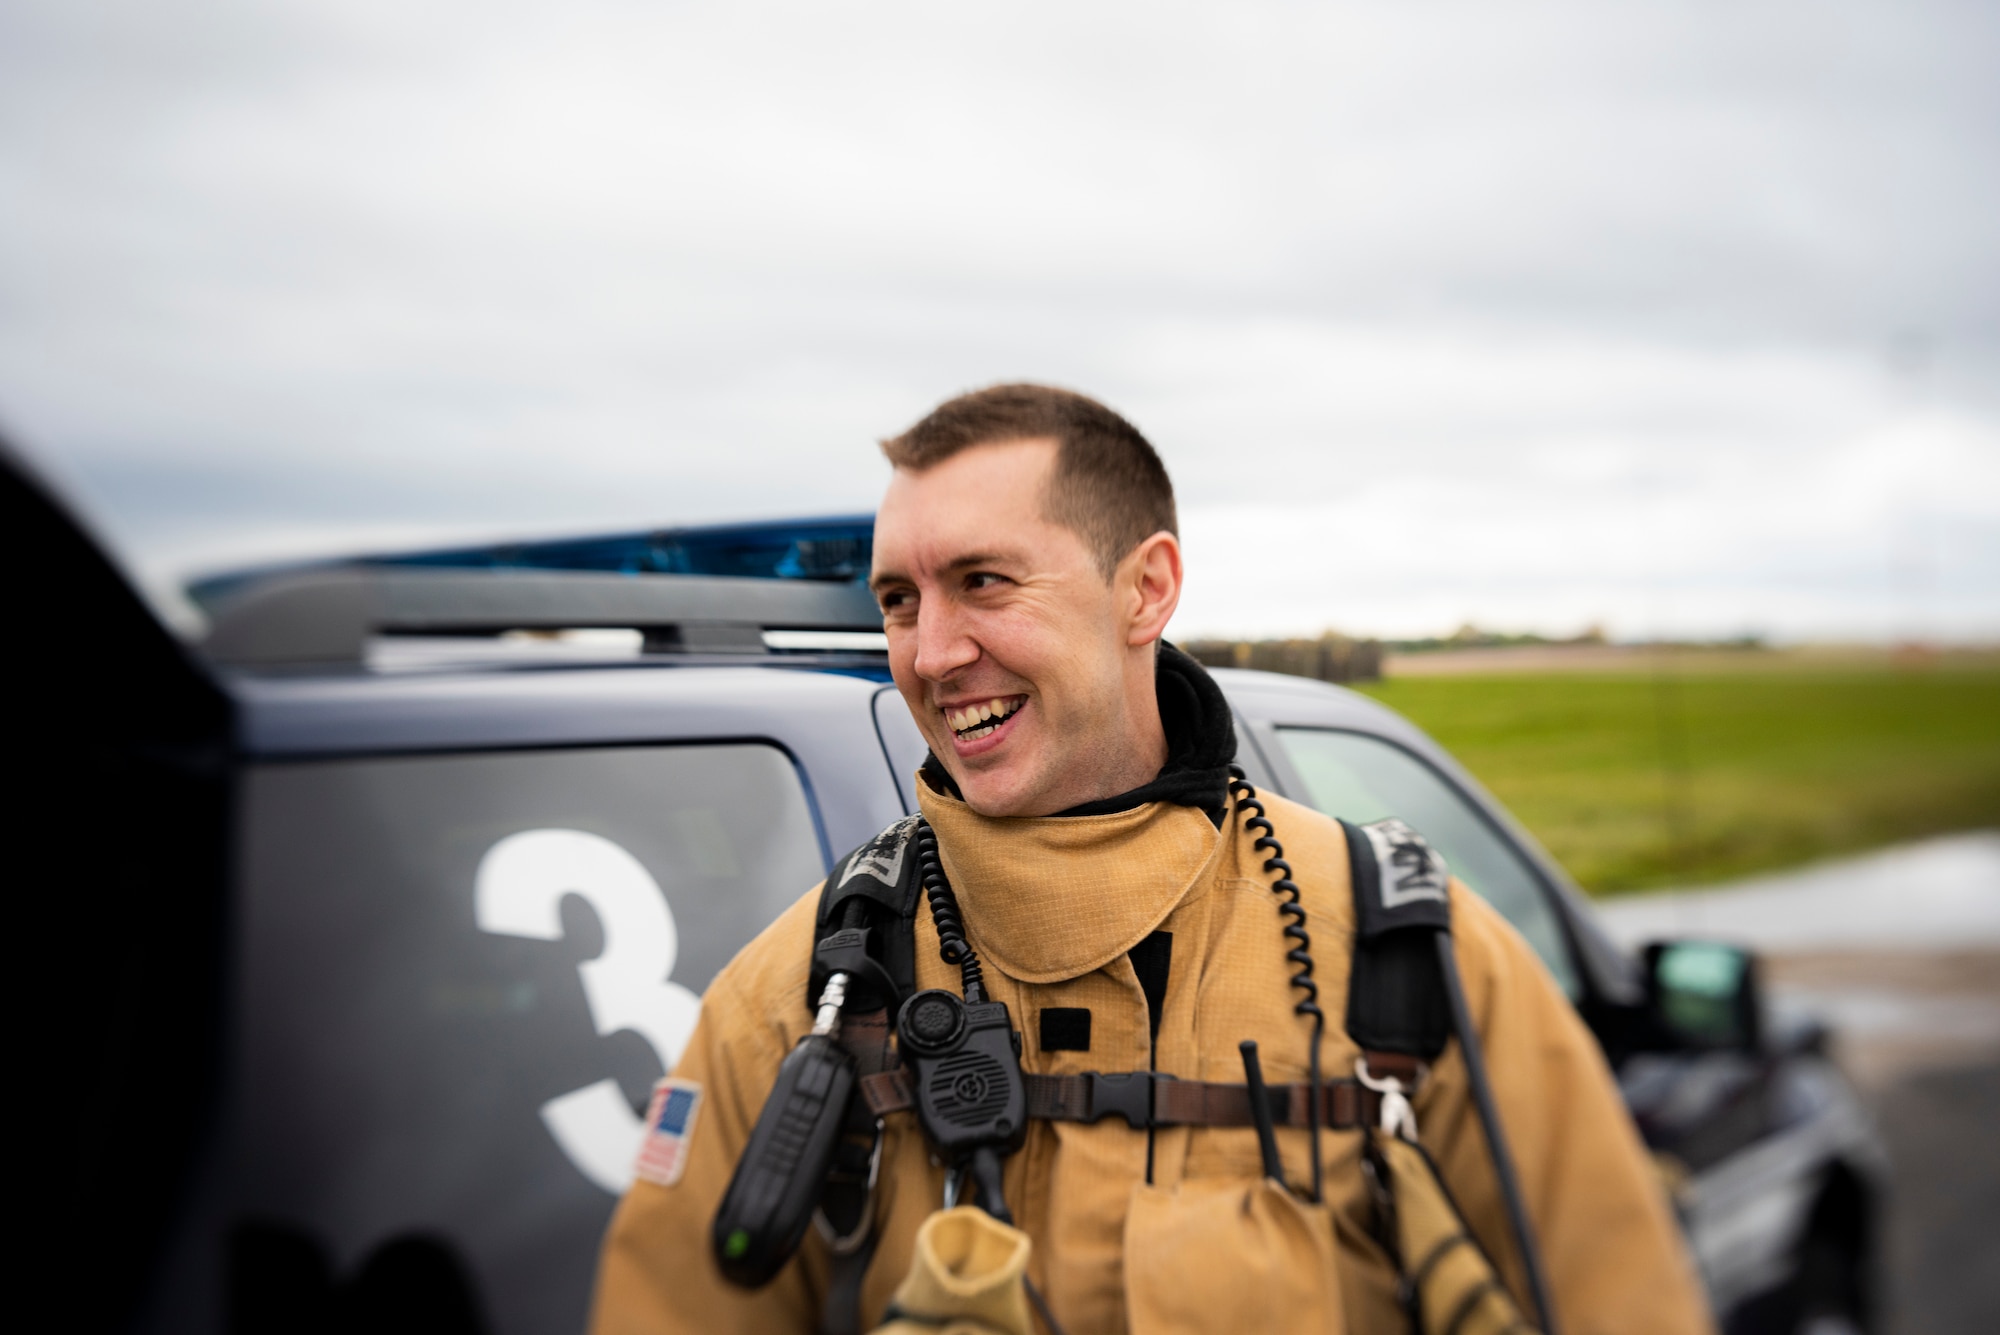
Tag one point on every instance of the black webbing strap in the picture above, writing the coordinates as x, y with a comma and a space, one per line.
1149, 1099
1405, 999
875, 888
866, 924
847, 1201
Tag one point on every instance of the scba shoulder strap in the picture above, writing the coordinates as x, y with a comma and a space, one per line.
1404, 1003
1395, 997
867, 922
866, 928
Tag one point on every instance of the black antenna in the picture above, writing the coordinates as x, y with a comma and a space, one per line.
1496, 1139
1260, 1111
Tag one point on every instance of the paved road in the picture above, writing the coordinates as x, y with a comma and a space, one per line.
1942, 1128
1900, 950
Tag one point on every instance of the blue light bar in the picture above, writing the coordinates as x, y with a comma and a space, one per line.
835, 548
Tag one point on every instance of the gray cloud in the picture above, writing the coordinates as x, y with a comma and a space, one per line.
1680, 316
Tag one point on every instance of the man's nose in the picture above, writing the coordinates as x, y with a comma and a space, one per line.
944, 642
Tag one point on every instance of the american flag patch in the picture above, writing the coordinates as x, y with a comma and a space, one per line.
669, 1123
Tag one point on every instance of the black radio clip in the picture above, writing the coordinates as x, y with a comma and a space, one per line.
965, 1072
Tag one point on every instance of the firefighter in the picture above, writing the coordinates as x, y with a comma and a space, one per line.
1117, 890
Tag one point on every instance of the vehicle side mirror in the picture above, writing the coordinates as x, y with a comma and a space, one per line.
1704, 995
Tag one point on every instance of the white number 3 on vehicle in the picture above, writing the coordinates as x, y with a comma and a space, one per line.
518, 892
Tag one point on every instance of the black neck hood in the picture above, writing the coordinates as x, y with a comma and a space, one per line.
1201, 741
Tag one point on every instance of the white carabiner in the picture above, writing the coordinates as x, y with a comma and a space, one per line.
1399, 1116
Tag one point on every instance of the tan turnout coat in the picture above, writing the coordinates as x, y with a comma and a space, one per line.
1052, 906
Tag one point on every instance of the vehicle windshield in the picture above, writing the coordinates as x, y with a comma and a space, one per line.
1361, 779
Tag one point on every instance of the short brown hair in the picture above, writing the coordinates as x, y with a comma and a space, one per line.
1108, 486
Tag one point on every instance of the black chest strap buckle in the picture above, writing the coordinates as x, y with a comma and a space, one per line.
1126, 1094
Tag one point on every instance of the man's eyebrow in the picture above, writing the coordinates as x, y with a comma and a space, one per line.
886, 578
979, 559
883, 579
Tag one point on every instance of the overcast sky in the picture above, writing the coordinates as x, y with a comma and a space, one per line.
1681, 318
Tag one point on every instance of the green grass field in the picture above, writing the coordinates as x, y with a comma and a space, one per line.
1640, 779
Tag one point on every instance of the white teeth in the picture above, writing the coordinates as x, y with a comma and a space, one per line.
965, 722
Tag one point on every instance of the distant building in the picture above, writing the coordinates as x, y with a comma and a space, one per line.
1331, 657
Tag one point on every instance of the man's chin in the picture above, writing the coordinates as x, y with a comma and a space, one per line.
1002, 795
995, 790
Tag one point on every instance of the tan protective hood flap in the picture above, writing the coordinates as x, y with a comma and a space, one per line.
1053, 897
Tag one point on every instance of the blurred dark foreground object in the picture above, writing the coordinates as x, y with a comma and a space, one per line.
117, 852
282, 1282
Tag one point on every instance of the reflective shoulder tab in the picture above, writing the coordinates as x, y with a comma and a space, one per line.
881, 857
1399, 879
886, 872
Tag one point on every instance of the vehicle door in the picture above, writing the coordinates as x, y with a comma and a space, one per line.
462, 961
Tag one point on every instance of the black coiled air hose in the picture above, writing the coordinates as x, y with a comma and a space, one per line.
1300, 953
952, 945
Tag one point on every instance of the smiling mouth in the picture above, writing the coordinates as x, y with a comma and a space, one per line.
973, 722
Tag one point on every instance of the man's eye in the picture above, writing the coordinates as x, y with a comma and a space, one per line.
895, 599
984, 579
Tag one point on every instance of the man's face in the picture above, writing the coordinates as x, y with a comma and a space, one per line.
1029, 674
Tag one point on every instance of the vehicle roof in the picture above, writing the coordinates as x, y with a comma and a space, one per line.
824, 720
293, 717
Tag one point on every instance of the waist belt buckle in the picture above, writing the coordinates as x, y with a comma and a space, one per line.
1126, 1094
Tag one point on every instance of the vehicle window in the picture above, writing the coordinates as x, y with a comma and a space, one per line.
902, 742
1361, 779
461, 976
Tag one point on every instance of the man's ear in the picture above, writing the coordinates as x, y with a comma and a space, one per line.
1149, 587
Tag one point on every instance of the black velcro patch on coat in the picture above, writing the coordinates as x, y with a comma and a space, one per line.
1066, 1029
1152, 958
